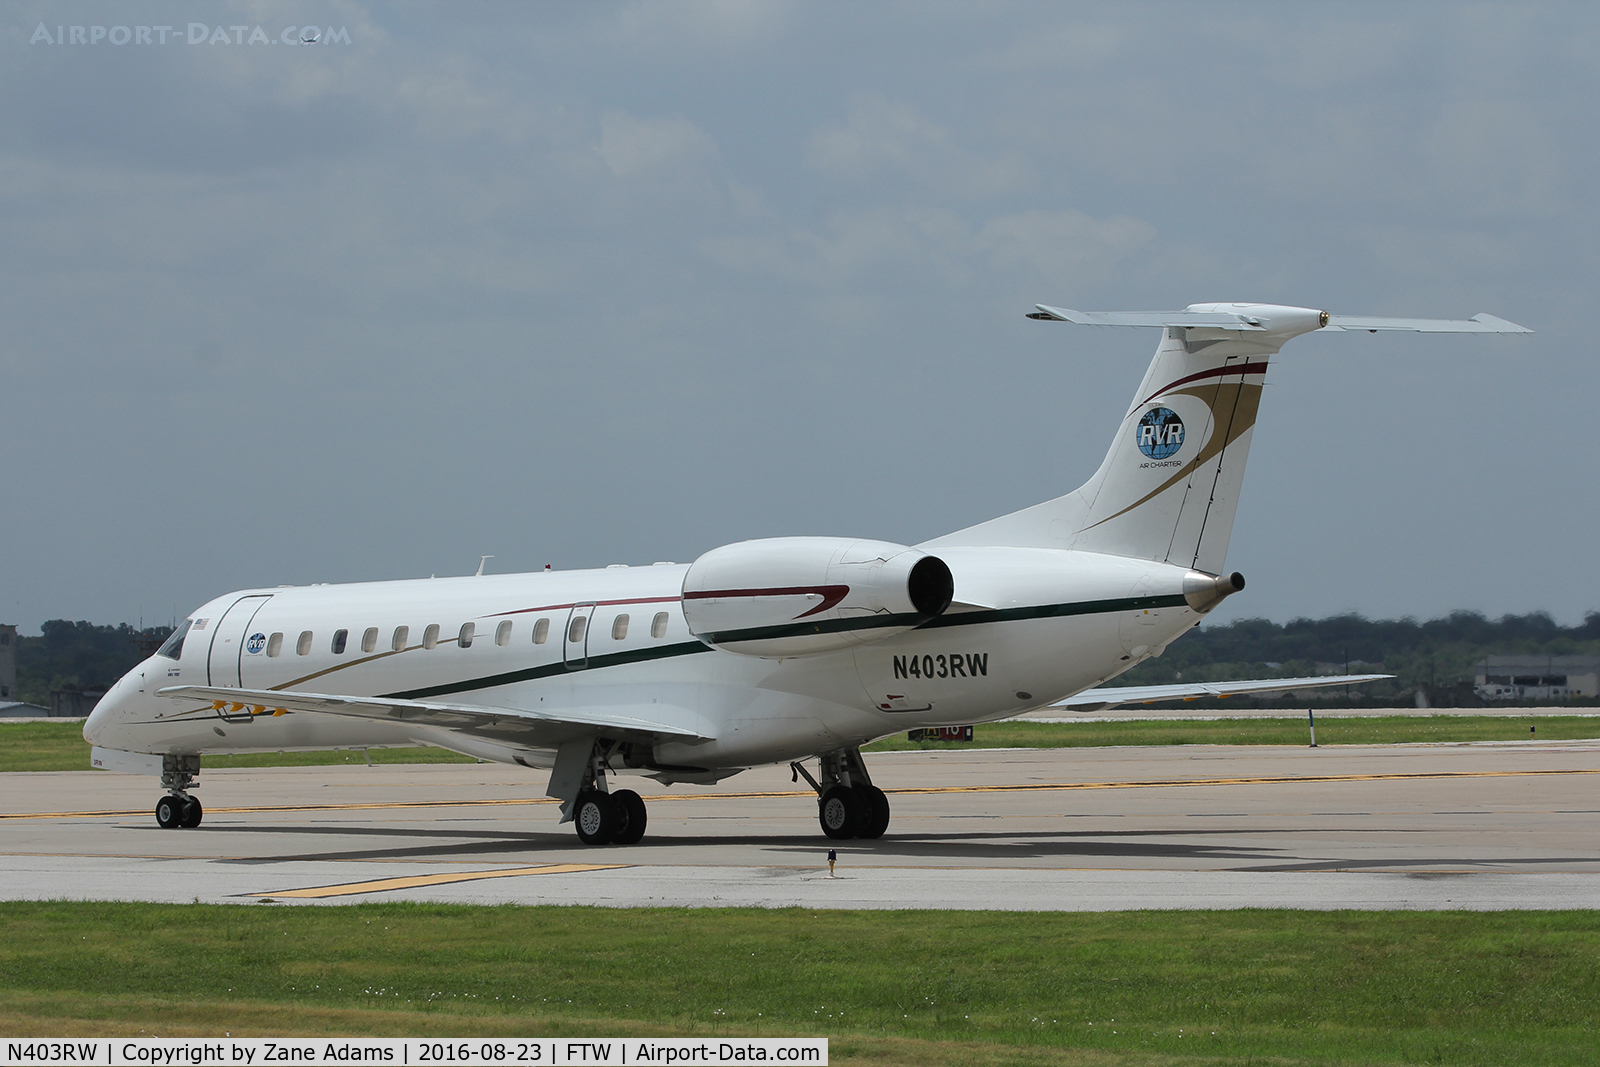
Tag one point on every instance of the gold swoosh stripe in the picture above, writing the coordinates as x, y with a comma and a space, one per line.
1245, 399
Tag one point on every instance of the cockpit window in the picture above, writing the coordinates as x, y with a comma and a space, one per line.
172, 647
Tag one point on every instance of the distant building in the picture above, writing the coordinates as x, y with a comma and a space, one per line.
1538, 677
8, 663
73, 703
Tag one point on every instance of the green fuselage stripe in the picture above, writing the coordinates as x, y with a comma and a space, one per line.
768, 633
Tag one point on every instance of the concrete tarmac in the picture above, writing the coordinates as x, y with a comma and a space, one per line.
1247, 710
1468, 826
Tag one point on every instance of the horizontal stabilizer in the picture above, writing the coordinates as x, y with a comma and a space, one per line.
511, 725
1116, 696
1216, 320
1479, 323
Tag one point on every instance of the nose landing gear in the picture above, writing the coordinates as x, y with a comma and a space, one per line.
178, 808
175, 810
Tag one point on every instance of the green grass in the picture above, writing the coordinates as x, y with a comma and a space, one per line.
1230, 987
52, 746
59, 746
1387, 730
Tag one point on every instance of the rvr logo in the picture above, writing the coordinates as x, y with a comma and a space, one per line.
1160, 433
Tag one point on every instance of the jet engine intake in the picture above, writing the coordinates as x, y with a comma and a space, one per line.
799, 596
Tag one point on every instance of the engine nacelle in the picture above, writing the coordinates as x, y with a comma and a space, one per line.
798, 596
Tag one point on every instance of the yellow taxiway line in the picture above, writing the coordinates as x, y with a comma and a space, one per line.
384, 885
1028, 787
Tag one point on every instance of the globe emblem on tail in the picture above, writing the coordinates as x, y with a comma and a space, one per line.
1160, 433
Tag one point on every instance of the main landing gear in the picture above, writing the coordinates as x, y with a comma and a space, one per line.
602, 817
848, 804
610, 818
178, 808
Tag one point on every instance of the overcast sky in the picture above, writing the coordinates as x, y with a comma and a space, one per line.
614, 282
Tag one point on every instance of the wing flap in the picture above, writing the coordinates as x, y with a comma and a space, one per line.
530, 727
1116, 696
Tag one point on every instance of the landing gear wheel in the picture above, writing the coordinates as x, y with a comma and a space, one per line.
841, 813
169, 812
877, 807
598, 817
633, 817
192, 813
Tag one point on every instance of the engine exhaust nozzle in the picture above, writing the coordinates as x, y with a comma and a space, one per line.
1206, 591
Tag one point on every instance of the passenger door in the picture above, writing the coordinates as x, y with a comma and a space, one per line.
229, 636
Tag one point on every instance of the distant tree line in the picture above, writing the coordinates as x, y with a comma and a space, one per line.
1439, 655
80, 655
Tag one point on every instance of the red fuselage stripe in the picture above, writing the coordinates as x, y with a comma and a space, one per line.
830, 594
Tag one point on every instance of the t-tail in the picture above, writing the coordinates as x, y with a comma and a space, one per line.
1169, 485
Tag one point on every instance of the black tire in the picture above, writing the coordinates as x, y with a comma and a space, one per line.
841, 812
634, 817
192, 813
597, 817
169, 812
877, 805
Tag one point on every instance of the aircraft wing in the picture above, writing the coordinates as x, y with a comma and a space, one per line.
512, 725
1116, 696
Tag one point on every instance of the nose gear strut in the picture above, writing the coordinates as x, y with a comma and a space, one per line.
178, 808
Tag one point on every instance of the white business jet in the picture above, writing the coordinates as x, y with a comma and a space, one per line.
789, 649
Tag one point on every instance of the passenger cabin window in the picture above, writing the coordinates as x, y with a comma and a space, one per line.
339, 638
275, 646
430, 636
502, 633
401, 634
464, 639
658, 625
619, 628
172, 647
302, 647
575, 631
369, 640
541, 631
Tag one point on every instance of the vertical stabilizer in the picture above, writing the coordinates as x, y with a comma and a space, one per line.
1169, 485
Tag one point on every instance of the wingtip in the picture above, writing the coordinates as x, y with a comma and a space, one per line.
1499, 324
1047, 314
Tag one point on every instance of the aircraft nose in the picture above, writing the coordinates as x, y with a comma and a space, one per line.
100, 728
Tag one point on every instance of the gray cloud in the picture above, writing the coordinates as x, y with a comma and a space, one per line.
622, 282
